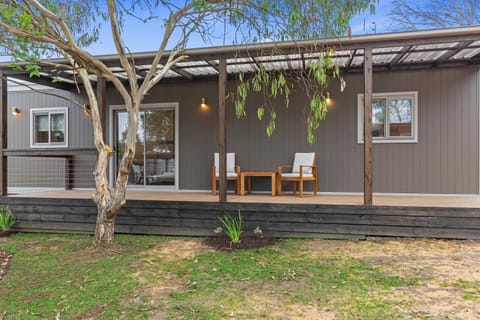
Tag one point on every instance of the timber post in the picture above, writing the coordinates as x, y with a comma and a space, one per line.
3, 134
367, 129
222, 131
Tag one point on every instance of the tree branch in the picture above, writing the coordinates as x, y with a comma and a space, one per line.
132, 77
81, 105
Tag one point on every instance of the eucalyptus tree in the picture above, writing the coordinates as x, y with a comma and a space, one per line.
33, 30
407, 14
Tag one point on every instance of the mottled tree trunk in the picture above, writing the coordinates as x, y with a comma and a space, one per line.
104, 229
109, 200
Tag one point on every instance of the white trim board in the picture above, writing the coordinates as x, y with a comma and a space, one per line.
377, 95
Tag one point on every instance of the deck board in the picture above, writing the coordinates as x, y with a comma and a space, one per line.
447, 201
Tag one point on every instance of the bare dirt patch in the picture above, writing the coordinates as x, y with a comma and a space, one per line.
179, 249
154, 292
440, 264
269, 302
442, 259
94, 253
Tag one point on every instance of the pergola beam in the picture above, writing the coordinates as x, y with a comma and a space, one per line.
213, 65
350, 60
182, 72
447, 55
399, 56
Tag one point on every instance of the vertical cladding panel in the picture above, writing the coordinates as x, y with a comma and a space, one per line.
474, 141
46, 172
445, 160
79, 125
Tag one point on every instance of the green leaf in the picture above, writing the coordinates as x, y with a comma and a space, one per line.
269, 130
260, 113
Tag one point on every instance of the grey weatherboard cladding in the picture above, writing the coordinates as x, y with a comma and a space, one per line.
445, 160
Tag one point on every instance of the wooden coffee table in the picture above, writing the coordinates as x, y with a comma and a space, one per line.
250, 174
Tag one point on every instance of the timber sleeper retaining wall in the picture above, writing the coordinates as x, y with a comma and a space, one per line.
278, 220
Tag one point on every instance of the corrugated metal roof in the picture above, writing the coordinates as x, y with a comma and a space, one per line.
419, 49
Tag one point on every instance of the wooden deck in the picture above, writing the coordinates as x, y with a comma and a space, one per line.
196, 214
445, 201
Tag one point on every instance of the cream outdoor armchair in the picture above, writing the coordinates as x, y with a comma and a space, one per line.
304, 169
233, 172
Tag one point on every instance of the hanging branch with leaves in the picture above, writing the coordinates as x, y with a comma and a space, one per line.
313, 81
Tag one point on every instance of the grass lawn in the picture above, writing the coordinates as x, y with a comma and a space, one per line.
59, 276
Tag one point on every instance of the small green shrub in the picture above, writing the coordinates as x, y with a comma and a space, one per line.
7, 218
232, 227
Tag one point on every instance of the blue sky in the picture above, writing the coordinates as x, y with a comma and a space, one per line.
139, 37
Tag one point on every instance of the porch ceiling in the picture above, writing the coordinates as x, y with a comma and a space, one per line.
405, 50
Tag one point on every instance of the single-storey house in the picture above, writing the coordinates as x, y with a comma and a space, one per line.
424, 88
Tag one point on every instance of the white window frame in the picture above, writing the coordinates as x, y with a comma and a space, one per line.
49, 111
389, 96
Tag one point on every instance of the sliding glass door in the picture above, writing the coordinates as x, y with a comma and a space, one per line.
155, 159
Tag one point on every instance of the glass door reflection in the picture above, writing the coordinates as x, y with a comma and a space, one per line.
154, 162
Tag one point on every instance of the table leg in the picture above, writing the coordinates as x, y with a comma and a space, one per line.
249, 184
242, 184
274, 184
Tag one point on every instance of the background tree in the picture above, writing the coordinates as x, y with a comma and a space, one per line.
36, 29
428, 14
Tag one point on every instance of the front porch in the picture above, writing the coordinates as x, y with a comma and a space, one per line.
337, 216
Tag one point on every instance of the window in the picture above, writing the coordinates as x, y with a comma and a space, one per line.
394, 117
49, 127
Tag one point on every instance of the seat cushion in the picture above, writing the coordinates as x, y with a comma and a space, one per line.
230, 162
296, 175
305, 159
229, 175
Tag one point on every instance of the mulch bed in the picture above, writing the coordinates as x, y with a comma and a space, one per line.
5, 259
222, 243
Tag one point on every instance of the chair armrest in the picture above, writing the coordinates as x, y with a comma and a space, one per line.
280, 168
314, 169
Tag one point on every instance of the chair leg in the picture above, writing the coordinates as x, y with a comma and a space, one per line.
315, 187
237, 186
214, 186
279, 186
300, 184
294, 187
